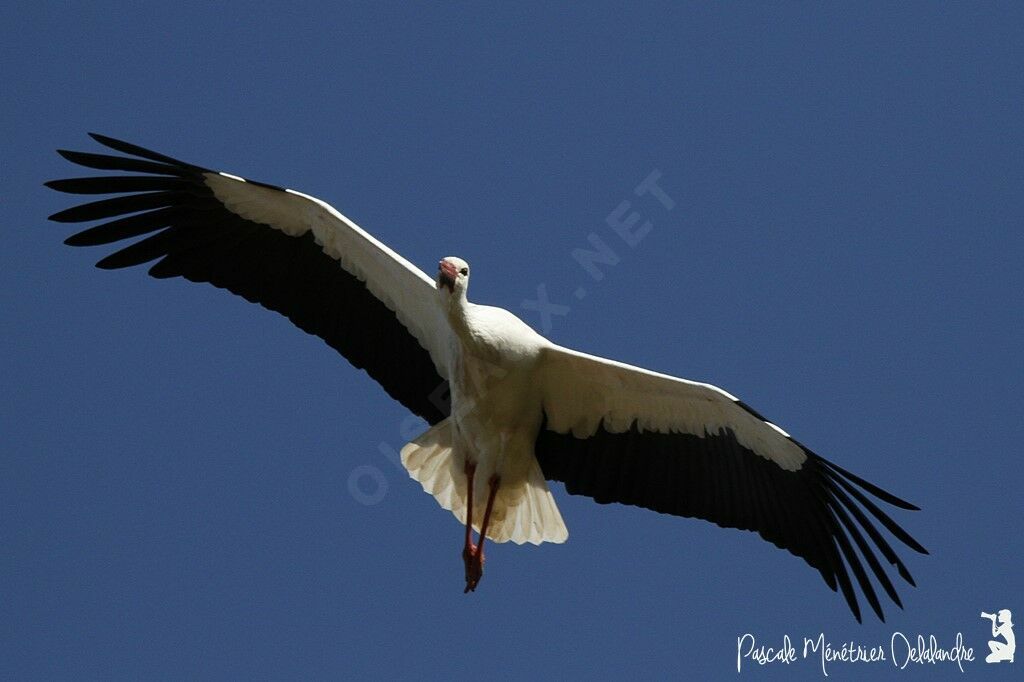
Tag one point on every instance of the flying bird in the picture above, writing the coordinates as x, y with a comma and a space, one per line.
507, 409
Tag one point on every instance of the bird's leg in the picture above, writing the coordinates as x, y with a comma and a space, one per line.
469, 549
494, 482
475, 565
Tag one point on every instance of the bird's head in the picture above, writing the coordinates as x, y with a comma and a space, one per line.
453, 275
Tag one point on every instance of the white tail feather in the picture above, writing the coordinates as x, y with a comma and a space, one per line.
523, 512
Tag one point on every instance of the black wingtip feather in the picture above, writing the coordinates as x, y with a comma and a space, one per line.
126, 227
836, 487
883, 518
118, 184
883, 495
123, 163
135, 150
868, 555
905, 574
116, 206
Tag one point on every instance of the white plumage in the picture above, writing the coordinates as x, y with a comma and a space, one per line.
508, 409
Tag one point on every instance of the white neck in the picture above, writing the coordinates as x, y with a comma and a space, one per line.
454, 305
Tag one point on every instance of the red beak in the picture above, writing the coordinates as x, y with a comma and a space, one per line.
446, 275
448, 269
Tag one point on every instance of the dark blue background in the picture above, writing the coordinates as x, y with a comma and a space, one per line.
844, 254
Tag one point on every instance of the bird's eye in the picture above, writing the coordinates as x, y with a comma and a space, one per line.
464, 271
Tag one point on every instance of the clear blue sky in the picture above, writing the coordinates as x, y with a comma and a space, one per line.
845, 254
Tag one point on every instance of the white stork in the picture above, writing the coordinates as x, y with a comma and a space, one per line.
522, 410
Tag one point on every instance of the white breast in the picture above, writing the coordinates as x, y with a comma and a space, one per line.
495, 404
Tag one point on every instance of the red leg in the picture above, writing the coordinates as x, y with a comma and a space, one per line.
469, 549
494, 482
475, 566
470, 472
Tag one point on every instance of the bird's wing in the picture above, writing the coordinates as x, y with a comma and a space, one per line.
285, 250
619, 433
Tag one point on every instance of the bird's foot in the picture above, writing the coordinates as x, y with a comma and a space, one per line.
473, 557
